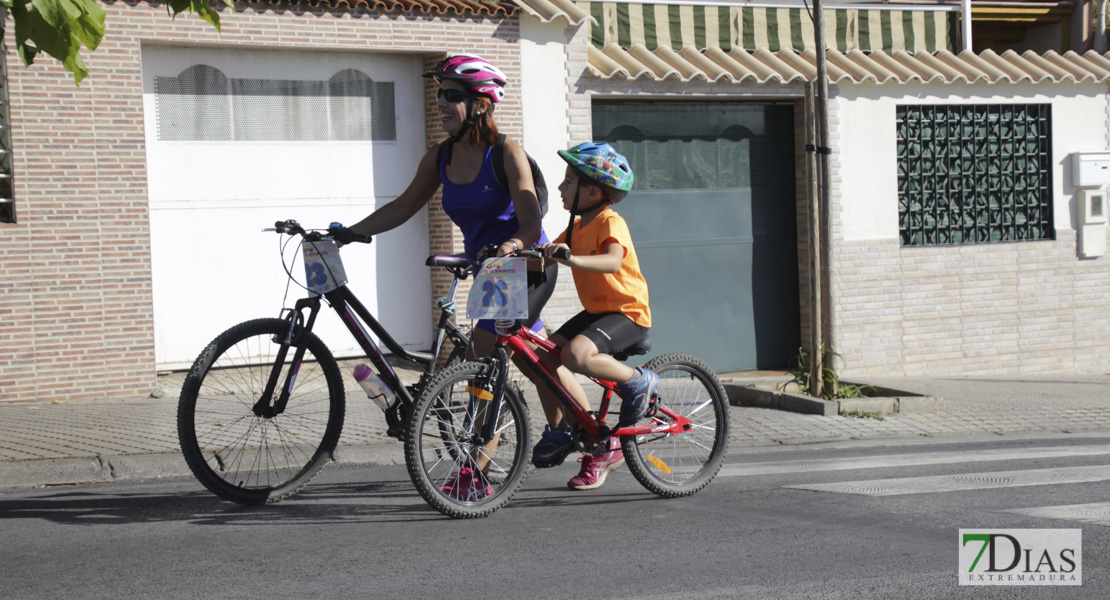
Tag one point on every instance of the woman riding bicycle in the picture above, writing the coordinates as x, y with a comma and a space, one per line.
487, 213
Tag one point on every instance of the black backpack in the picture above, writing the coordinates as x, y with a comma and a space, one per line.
503, 179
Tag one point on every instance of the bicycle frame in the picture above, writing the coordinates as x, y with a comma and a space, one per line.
354, 315
518, 341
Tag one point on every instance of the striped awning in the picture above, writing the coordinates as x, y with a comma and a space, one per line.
854, 66
750, 28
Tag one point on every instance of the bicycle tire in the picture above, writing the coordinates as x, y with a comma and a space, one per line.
436, 460
244, 457
674, 465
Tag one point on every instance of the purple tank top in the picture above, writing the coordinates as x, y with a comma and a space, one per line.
482, 209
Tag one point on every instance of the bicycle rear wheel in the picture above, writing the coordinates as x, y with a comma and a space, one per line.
674, 465
247, 457
453, 469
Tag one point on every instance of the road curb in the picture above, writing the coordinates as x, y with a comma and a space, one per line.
889, 402
88, 469
42, 472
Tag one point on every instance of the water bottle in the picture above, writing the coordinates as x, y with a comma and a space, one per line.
375, 388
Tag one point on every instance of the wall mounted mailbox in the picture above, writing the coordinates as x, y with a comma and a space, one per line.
1090, 169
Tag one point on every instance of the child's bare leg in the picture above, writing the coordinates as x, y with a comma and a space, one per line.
635, 386
581, 355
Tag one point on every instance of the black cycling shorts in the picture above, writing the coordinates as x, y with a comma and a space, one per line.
610, 332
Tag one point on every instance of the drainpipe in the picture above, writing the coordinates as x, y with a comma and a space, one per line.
819, 255
1100, 28
965, 19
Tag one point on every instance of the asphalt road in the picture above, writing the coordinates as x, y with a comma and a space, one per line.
873, 519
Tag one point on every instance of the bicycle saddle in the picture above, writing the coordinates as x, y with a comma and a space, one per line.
447, 260
641, 347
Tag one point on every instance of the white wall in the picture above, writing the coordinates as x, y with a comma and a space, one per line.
546, 108
864, 142
213, 267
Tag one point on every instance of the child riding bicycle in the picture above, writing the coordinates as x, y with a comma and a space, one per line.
614, 296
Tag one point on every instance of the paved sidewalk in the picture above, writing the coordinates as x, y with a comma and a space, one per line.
46, 443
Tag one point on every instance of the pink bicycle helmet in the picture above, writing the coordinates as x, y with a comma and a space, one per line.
474, 72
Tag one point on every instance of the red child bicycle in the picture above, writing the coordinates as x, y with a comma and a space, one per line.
468, 442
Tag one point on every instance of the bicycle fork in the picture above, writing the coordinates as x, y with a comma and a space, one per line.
297, 328
498, 363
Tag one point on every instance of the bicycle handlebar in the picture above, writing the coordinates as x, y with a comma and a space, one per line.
491, 251
335, 231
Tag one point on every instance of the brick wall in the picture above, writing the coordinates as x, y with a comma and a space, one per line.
75, 289
971, 310
1014, 308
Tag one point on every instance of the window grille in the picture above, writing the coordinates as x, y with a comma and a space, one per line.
203, 104
974, 174
7, 181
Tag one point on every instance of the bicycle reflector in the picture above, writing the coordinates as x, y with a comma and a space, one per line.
479, 393
659, 464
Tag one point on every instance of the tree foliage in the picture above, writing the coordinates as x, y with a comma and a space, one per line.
60, 27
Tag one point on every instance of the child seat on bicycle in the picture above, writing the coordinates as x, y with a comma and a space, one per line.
613, 293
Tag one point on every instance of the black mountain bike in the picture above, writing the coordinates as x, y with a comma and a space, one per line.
262, 407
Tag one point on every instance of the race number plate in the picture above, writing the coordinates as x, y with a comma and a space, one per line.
500, 291
323, 269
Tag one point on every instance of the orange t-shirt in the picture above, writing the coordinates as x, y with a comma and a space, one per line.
625, 291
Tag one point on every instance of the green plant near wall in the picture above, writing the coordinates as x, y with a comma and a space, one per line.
832, 388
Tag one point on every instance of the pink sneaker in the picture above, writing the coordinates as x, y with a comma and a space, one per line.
596, 468
466, 486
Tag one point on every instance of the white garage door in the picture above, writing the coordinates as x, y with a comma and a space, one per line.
239, 139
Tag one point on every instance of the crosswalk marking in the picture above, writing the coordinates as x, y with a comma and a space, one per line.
909, 460
963, 481
1097, 513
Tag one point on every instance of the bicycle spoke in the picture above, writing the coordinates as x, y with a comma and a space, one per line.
246, 457
449, 460
681, 463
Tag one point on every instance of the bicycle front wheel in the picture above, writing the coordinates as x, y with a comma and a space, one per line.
673, 465
240, 450
457, 470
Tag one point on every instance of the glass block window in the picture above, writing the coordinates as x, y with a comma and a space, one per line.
974, 174
203, 104
7, 181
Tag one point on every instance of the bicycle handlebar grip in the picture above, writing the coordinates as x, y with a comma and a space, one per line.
562, 253
287, 226
344, 235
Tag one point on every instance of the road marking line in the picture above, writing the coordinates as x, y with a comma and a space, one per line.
962, 481
909, 460
1097, 513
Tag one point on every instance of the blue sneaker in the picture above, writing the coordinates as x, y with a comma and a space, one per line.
636, 395
553, 448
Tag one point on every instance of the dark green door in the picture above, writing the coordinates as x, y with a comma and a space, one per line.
713, 216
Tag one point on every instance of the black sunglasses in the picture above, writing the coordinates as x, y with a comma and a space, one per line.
452, 96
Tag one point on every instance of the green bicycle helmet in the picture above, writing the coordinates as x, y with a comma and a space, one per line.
600, 164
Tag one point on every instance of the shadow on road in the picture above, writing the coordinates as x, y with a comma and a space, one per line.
348, 502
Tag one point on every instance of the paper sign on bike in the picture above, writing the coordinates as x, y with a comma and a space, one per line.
323, 269
500, 290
